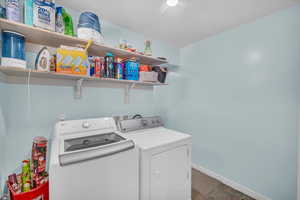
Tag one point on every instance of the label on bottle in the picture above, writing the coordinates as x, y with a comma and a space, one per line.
60, 28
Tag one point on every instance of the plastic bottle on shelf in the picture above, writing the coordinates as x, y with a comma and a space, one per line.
59, 24
148, 50
68, 23
13, 10
28, 12
2, 9
109, 65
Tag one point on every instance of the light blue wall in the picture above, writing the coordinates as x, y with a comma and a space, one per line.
237, 94
35, 113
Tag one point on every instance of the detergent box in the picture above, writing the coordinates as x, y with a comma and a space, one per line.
44, 14
71, 60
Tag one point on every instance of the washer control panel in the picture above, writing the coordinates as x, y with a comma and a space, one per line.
139, 124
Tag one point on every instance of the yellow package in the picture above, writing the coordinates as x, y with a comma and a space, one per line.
69, 61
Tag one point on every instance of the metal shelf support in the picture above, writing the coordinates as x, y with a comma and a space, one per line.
128, 89
78, 88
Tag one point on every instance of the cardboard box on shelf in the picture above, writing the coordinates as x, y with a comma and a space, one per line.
71, 61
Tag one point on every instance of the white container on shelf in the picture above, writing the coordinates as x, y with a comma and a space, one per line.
90, 34
13, 49
89, 27
13, 62
148, 76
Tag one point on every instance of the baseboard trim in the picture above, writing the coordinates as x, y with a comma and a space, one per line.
231, 183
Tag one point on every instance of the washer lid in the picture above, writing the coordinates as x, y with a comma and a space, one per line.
84, 148
156, 137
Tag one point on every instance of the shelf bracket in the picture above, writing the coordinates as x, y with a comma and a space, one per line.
78, 88
128, 88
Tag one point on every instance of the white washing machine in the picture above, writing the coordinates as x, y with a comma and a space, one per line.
165, 159
90, 161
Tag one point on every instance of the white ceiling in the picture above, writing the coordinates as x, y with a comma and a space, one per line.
191, 21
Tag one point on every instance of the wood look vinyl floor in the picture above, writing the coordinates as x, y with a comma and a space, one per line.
207, 188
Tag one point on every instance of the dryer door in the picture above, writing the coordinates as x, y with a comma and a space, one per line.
170, 175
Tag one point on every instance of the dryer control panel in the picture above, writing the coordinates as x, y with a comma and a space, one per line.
139, 124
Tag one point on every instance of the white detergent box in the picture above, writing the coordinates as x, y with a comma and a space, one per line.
148, 76
44, 14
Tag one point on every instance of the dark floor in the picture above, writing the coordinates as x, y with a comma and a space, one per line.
207, 188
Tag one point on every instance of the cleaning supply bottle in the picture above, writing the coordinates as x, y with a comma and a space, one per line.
109, 65
2, 9
68, 22
28, 12
148, 51
13, 10
60, 24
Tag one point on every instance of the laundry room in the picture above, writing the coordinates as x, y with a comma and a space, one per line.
149, 100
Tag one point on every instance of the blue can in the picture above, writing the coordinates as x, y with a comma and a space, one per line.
132, 70
13, 45
119, 71
109, 65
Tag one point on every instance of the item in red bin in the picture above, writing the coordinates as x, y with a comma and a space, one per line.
39, 151
25, 175
12, 180
33, 183
44, 178
19, 179
26, 187
38, 180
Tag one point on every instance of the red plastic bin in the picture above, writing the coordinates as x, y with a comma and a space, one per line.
39, 193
